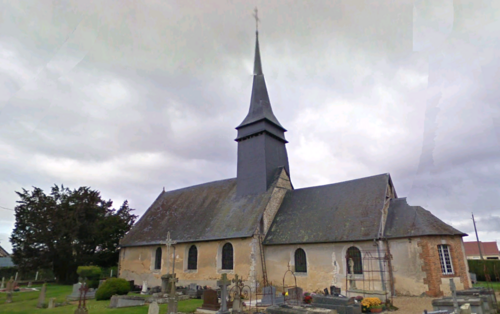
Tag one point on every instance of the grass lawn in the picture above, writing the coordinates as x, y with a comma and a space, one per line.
494, 285
25, 302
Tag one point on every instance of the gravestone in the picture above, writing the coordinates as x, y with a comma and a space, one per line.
41, 297
210, 300
473, 278
454, 295
153, 308
335, 291
237, 305
75, 294
3, 283
326, 291
465, 309
223, 283
52, 303
172, 300
269, 297
294, 296
192, 291
144, 287
342, 305
164, 283
10, 290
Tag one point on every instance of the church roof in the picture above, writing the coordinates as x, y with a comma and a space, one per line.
205, 212
345, 211
405, 221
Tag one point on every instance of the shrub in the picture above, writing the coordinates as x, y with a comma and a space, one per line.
111, 287
90, 272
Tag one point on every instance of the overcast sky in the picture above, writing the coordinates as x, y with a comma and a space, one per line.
128, 97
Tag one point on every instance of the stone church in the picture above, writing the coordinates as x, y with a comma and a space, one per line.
357, 235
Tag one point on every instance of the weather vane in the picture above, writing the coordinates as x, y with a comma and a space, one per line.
256, 16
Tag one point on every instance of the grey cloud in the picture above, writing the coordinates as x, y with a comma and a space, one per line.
173, 79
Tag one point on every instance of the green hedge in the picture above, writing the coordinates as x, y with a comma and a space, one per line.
477, 266
111, 287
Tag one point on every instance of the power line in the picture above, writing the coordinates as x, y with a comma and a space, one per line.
6, 208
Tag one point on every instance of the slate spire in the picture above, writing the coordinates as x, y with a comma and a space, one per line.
260, 105
261, 138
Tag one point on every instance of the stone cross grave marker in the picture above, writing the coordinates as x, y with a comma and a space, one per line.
237, 304
454, 295
172, 299
41, 297
168, 242
223, 283
153, 308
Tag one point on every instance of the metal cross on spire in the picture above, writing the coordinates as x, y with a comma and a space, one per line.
256, 16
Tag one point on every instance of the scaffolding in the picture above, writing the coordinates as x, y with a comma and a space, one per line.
376, 277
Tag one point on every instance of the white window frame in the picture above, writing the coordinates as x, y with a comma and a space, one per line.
445, 259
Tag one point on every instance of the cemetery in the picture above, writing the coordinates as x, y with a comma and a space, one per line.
229, 296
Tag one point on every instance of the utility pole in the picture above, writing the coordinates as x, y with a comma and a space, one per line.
477, 237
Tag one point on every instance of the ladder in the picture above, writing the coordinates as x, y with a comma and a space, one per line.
263, 259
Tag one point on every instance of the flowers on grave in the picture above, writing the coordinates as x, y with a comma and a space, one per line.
359, 298
368, 303
307, 298
285, 293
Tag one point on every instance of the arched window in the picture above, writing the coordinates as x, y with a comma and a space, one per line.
355, 254
158, 258
300, 261
227, 256
193, 257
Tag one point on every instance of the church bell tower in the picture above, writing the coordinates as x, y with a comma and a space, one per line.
261, 139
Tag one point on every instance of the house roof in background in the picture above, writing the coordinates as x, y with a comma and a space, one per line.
6, 262
487, 248
3, 252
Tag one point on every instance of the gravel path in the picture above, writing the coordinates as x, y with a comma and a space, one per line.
412, 305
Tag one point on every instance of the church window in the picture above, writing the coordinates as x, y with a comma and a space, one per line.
300, 261
355, 254
445, 259
158, 258
227, 256
193, 257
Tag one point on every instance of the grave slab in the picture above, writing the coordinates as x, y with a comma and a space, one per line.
286, 309
118, 301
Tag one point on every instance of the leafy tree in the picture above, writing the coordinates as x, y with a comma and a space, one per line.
67, 229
